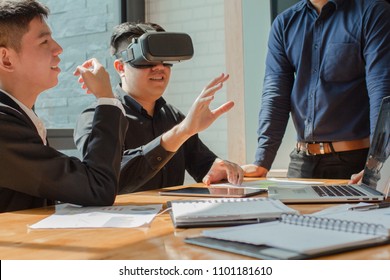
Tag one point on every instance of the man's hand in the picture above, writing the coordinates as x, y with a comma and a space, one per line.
252, 170
199, 117
94, 78
223, 169
356, 178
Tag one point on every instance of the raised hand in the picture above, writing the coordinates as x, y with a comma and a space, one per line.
94, 78
200, 116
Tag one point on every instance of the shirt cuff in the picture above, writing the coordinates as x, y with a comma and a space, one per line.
111, 101
155, 154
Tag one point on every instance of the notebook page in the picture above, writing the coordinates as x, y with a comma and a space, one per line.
341, 212
305, 240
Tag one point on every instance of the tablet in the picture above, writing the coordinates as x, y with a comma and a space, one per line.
214, 191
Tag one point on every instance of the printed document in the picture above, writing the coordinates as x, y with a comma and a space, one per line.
123, 216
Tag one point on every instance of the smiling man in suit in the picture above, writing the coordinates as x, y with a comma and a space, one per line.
32, 174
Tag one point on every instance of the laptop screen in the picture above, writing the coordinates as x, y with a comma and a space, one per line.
377, 169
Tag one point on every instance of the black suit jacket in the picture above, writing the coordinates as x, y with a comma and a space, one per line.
32, 174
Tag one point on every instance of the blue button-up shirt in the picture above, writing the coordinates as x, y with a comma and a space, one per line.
329, 70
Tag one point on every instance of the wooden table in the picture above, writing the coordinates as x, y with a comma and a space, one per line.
159, 241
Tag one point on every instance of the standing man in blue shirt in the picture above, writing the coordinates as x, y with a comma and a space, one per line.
328, 66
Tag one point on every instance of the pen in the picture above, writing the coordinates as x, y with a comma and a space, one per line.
371, 207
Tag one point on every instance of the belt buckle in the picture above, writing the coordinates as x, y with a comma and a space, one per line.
322, 149
307, 149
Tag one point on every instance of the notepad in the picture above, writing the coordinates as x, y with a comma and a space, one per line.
342, 212
294, 237
226, 211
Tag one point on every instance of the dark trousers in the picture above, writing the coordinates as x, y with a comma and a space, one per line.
329, 166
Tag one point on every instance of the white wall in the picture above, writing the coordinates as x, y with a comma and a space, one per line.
83, 28
256, 25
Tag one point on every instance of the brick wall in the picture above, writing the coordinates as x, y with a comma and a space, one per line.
83, 29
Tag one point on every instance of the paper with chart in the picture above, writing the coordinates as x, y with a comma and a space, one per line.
127, 216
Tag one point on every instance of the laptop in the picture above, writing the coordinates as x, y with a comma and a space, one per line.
375, 183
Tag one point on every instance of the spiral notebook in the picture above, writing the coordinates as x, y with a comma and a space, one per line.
226, 211
294, 237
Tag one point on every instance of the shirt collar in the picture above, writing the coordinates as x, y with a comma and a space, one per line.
39, 125
337, 3
327, 10
130, 101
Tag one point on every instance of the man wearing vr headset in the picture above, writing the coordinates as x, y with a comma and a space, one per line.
161, 142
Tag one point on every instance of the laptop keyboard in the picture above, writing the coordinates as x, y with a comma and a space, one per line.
337, 190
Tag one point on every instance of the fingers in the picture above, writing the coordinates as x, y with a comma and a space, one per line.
232, 177
89, 65
352, 180
215, 173
207, 94
94, 78
223, 109
356, 178
221, 79
80, 71
223, 169
205, 101
207, 180
235, 174
200, 116
214, 85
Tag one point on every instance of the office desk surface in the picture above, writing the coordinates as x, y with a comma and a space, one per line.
158, 241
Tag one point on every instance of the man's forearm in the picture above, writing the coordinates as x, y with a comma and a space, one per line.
173, 139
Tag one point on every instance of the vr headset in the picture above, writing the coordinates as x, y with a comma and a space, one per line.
158, 47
